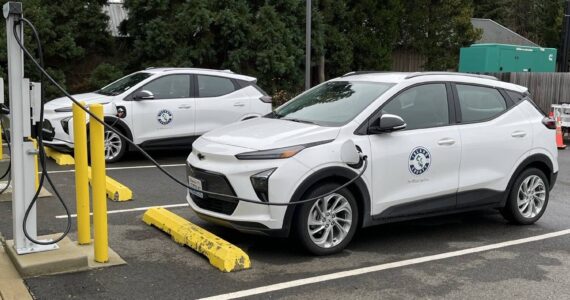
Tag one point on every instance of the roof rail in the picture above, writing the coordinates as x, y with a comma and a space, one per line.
418, 74
195, 69
363, 73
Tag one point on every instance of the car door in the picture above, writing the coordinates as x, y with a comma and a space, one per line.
219, 101
416, 170
168, 114
496, 136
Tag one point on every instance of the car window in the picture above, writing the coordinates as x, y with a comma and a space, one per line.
169, 87
479, 103
517, 97
122, 85
333, 103
422, 106
214, 86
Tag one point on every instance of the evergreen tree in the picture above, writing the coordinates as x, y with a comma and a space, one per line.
74, 40
438, 29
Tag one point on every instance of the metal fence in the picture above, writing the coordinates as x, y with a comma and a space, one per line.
546, 88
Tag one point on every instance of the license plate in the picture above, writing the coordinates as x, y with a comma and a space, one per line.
196, 184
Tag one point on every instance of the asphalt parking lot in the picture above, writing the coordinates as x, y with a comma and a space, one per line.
159, 268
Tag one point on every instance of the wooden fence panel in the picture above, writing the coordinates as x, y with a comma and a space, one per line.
546, 88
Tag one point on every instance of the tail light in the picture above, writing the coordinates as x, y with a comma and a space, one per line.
266, 99
550, 123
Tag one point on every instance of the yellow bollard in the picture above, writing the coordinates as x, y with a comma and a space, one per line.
98, 188
81, 176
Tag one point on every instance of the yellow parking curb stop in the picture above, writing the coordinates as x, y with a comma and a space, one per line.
221, 254
61, 159
115, 190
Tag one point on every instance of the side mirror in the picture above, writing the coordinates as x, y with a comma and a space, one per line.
386, 123
143, 95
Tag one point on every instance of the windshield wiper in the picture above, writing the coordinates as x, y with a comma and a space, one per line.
300, 121
273, 115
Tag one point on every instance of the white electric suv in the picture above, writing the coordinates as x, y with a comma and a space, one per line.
163, 107
436, 143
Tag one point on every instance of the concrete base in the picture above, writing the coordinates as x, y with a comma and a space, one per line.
69, 258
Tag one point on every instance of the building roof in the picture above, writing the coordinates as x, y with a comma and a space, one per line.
496, 33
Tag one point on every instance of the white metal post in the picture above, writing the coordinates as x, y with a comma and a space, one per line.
22, 154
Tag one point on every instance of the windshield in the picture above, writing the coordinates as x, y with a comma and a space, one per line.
122, 85
333, 103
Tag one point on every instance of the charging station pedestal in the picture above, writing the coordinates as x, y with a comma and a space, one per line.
22, 100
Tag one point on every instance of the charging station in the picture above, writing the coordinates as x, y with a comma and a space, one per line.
25, 102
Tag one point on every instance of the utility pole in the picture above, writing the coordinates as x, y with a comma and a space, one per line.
565, 39
308, 47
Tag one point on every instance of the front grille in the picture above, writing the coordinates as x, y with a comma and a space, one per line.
213, 182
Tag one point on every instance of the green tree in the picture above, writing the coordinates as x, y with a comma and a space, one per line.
259, 38
438, 29
496, 10
74, 40
538, 20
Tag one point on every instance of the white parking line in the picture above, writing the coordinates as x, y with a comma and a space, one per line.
360, 271
123, 168
128, 210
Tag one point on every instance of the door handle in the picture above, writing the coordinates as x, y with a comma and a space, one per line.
446, 142
518, 134
185, 106
239, 104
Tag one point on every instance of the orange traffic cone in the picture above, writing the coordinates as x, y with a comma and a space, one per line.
559, 138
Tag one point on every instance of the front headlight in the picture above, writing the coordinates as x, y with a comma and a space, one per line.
65, 124
278, 153
260, 183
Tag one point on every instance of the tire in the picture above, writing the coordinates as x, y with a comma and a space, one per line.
115, 147
339, 239
525, 208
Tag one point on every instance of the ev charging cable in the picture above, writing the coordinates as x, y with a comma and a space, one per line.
9, 169
363, 158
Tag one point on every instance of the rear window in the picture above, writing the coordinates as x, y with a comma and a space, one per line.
479, 104
516, 96
214, 86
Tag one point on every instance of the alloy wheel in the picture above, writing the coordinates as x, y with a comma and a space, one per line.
113, 145
531, 196
329, 221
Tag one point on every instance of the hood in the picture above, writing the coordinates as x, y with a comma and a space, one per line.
265, 133
88, 98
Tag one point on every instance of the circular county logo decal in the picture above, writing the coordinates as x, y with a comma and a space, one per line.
164, 117
420, 161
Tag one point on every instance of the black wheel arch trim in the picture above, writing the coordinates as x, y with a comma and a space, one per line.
330, 173
119, 124
535, 158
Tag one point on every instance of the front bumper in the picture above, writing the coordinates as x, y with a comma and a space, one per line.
230, 176
62, 139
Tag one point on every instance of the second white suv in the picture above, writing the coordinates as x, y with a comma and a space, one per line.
436, 143
163, 107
